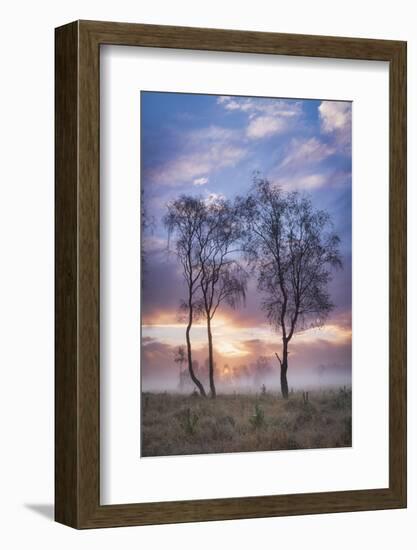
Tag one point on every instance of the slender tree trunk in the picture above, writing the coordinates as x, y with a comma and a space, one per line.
284, 368
211, 361
189, 355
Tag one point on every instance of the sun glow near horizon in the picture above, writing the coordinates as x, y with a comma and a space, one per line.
233, 341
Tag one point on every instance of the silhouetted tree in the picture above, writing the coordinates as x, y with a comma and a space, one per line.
180, 359
222, 277
294, 249
262, 370
184, 218
147, 224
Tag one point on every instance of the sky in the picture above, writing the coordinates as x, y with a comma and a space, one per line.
211, 145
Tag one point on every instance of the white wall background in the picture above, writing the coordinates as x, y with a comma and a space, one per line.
26, 272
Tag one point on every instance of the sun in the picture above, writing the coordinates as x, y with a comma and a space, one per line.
228, 348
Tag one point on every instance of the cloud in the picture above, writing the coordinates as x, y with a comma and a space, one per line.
211, 133
264, 126
147, 340
213, 197
151, 243
301, 167
265, 106
188, 167
200, 181
303, 152
336, 121
267, 117
335, 115
203, 152
303, 183
229, 103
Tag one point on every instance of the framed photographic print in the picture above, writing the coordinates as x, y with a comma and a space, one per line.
230, 274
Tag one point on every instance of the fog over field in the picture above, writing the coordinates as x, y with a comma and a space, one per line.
313, 365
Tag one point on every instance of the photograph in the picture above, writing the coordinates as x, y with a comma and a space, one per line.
246, 325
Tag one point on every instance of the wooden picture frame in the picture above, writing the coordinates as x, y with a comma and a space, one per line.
77, 373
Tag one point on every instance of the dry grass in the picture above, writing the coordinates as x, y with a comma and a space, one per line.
176, 424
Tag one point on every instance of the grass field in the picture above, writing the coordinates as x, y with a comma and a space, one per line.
174, 424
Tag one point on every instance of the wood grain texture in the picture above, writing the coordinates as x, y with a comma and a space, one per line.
398, 273
78, 285
66, 237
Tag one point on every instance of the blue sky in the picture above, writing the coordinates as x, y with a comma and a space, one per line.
211, 145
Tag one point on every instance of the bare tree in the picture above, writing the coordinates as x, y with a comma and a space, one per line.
180, 358
147, 223
184, 219
294, 249
262, 370
222, 277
